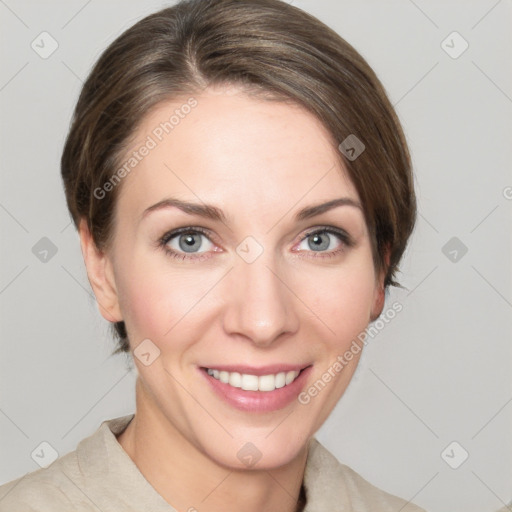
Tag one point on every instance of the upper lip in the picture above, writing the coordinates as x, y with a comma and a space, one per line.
261, 370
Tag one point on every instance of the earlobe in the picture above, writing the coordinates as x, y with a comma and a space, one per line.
100, 275
378, 304
380, 290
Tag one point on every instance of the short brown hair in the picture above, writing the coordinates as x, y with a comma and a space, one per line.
269, 48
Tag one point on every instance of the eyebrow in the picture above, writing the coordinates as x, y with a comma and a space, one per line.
212, 212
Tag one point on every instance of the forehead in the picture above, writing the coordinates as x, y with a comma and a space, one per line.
224, 147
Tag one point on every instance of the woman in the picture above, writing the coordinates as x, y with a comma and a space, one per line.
243, 194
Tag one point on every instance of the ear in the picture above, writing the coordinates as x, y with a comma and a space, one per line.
379, 297
100, 274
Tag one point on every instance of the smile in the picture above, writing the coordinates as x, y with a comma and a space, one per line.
257, 389
250, 382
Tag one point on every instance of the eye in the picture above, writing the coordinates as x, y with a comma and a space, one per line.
186, 243
326, 241
193, 243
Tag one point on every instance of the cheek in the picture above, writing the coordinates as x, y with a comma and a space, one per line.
158, 302
152, 308
343, 299
150, 300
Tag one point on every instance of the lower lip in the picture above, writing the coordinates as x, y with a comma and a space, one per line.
258, 401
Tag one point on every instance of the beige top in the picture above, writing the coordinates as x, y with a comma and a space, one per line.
100, 476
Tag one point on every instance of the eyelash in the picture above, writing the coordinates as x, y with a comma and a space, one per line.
167, 237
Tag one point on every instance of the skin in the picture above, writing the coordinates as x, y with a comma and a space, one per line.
260, 162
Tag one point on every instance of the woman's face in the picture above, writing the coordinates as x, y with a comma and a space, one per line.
253, 286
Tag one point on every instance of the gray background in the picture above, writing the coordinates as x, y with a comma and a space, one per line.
438, 373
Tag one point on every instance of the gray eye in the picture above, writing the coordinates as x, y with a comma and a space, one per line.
319, 241
190, 242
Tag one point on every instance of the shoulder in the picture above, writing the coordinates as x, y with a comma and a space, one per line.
333, 484
51, 488
75, 481
368, 496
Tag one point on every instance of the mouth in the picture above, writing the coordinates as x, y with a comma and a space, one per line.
264, 379
257, 390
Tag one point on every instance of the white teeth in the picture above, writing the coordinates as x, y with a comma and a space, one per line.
249, 382
267, 383
290, 377
253, 382
280, 380
235, 380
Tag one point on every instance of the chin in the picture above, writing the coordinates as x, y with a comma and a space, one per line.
258, 452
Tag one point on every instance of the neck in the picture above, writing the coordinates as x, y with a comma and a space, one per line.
189, 480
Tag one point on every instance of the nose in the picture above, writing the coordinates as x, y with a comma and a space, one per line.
260, 306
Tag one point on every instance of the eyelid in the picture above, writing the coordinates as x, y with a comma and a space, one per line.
341, 233
173, 233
